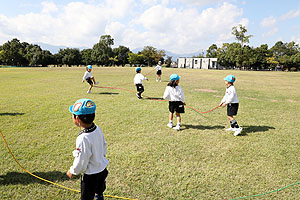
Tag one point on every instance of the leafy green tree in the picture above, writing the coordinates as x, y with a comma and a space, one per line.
102, 51
239, 33
69, 56
121, 54
260, 55
86, 56
212, 51
152, 55
136, 59
13, 53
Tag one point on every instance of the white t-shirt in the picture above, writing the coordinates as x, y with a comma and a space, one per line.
86, 75
230, 95
158, 67
138, 79
174, 94
90, 153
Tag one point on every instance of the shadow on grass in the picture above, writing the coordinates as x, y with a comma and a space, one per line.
254, 129
200, 127
151, 98
108, 93
11, 114
14, 178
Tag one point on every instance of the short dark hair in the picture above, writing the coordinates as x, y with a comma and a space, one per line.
172, 84
87, 119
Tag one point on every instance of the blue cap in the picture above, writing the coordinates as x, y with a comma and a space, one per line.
230, 78
174, 77
83, 107
138, 69
89, 67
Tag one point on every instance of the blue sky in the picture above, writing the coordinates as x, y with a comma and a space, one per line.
178, 26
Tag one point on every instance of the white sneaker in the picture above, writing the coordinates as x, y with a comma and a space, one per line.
176, 128
170, 125
89, 91
230, 129
238, 131
96, 83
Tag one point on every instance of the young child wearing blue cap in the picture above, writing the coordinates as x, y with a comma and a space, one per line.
89, 78
138, 82
91, 147
175, 95
231, 101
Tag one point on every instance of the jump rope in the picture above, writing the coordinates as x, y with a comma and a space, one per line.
117, 197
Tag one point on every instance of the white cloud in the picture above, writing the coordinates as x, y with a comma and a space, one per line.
268, 22
270, 33
291, 14
49, 7
78, 24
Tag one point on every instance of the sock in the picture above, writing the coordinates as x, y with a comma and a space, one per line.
171, 122
178, 124
234, 124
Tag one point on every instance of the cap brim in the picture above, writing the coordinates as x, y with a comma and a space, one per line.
71, 109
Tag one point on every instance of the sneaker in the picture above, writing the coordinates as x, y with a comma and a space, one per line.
98, 197
139, 97
176, 128
170, 125
96, 83
230, 129
89, 91
238, 131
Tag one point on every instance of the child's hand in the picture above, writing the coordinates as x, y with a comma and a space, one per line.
223, 104
184, 104
83, 81
69, 174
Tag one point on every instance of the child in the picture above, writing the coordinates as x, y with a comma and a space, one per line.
175, 95
230, 99
89, 78
158, 71
138, 82
90, 151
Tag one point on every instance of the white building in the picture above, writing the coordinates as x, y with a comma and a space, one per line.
197, 63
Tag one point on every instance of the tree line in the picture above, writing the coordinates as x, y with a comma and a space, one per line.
18, 53
283, 56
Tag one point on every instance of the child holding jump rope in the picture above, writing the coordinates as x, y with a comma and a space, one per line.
175, 95
89, 78
138, 82
91, 147
231, 101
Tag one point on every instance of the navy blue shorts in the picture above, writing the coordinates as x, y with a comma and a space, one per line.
89, 80
232, 109
176, 106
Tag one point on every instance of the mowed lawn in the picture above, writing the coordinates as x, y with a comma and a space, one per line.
147, 159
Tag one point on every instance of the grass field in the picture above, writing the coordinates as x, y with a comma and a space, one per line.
147, 159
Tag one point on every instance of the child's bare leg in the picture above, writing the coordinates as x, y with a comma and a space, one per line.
90, 88
230, 118
178, 118
170, 117
93, 79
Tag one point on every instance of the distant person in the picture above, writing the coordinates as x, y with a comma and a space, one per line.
138, 82
231, 101
91, 147
175, 95
158, 71
89, 78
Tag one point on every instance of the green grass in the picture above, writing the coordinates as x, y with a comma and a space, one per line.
147, 159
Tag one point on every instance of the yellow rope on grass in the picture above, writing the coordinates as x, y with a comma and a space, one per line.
48, 180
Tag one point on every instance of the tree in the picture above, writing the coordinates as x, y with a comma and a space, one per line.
13, 53
212, 51
136, 59
239, 33
121, 54
69, 56
152, 55
102, 51
86, 56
